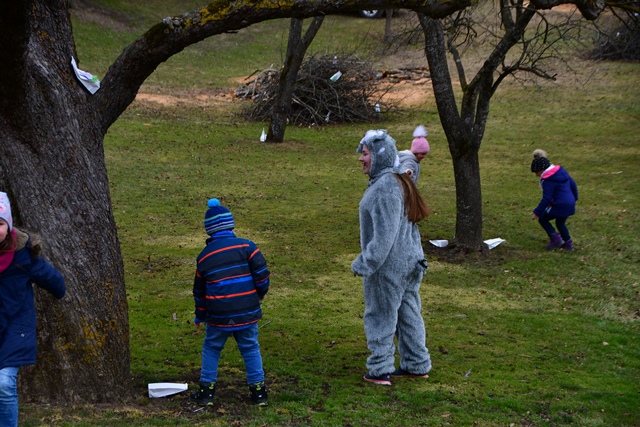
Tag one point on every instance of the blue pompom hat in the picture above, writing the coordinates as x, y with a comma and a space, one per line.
217, 218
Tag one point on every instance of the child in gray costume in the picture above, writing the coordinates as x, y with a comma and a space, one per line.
391, 263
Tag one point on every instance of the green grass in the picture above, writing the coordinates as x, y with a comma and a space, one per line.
524, 338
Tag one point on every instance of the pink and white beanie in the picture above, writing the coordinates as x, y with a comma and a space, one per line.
5, 210
420, 143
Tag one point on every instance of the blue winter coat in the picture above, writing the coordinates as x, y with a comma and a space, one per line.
17, 308
559, 193
231, 279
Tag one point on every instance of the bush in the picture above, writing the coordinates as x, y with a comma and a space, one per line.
620, 44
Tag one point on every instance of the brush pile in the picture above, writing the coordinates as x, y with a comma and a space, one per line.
618, 38
329, 89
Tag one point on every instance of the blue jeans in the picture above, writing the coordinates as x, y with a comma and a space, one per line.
247, 340
9, 397
545, 221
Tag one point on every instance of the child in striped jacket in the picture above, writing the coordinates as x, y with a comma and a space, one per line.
231, 279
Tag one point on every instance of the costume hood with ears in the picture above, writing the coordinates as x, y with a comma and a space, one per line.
384, 154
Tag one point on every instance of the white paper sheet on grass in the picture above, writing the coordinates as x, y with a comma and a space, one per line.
491, 243
166, 389
439, 243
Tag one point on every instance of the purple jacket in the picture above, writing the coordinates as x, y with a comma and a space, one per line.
559, 193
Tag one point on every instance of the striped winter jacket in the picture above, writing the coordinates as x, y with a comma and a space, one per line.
231, 279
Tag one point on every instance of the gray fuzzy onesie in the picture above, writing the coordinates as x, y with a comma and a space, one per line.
409, 161
388, 263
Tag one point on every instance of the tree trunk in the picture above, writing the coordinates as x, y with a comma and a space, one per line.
296, 48
466, 170
462, 139
53, 165
388, 35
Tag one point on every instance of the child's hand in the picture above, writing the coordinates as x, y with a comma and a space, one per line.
534, 216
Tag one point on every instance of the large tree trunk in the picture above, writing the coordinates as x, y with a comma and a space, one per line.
296, 48
53, 166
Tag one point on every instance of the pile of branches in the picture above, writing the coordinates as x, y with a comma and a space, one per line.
620, 44
319, 97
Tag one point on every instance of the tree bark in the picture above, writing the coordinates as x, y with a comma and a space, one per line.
388, 35
296, 48
468, 235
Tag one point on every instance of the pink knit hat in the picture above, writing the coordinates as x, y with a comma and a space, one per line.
5, 210
420, 143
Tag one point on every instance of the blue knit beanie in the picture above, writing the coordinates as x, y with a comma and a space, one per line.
217, 218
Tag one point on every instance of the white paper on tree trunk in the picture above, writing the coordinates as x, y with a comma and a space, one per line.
88, 80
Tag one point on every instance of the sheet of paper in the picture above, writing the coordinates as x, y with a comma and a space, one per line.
88, 80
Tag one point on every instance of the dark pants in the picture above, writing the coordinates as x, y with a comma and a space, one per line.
545, 221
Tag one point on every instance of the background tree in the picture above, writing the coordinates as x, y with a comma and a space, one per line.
296, 48
526, 42
53, 167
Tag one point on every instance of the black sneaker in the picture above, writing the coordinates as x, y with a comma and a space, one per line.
259, 393
402, 373
204, 395
384, 379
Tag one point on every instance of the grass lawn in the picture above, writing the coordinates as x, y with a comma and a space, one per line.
525, 337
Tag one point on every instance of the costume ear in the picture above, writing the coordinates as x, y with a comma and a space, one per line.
370, 136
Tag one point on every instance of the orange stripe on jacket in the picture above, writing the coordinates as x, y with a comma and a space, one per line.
264, 280
228, 278
241, 294
254, 252
235, 325
222, 250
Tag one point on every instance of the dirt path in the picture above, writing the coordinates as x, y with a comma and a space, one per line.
407, 93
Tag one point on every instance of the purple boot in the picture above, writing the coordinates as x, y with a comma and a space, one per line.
556, 241
568, 245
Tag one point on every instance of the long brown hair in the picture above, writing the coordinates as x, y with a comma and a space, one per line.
8, 244
414, 206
